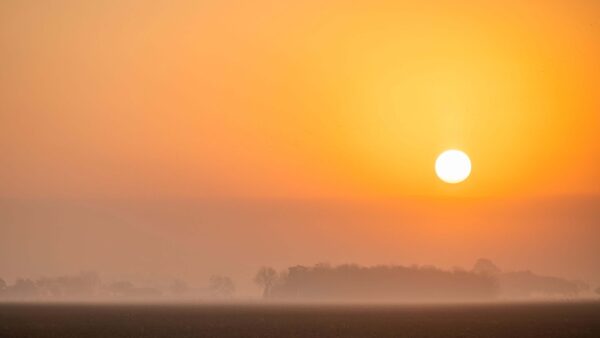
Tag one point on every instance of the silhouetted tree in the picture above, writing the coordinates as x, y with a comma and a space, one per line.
265, 278
2, 285
353, 282
486, 266
521, 284
23, 288
221, 286
83, 285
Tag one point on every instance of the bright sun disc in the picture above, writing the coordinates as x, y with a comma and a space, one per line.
453, 166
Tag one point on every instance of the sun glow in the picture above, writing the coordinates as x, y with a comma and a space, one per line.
453, 166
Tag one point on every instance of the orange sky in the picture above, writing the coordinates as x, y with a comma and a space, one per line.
307, 100
311, 99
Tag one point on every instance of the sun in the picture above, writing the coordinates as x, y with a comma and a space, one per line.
453, 166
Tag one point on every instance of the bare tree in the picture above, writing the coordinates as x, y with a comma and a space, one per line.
265, 278
221, 286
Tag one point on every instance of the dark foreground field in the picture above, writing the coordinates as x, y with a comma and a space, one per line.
520, 320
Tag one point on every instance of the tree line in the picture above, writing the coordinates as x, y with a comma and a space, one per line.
485, 281
88, 285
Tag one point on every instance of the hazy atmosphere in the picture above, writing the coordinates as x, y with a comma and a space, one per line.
165, 141
159, 241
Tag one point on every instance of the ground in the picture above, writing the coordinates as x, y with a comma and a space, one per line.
146, 320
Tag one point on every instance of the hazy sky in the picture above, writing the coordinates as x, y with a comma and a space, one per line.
278, 132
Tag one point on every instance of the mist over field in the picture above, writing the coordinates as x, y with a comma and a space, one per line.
152, 244
485, 282
314, 168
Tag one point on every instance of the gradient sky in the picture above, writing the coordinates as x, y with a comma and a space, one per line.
324, 116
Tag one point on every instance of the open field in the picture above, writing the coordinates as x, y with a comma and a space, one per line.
501, 320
